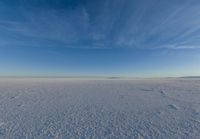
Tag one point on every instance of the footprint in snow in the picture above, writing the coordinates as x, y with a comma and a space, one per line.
2, 124
195, 112
174, 107
2, 129
146, 90
160, 112
15, 96
20, 105
163, 93
140, 136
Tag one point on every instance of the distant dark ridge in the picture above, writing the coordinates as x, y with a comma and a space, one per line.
113, 77
191, 77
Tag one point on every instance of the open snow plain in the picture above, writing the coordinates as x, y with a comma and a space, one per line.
110, 108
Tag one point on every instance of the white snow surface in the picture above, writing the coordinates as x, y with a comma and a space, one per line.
99, 109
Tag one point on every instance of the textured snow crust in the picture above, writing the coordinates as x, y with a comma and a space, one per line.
99, 109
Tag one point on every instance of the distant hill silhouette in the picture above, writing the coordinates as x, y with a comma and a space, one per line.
191, 77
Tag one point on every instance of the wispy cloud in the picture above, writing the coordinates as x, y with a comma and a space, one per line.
103, 24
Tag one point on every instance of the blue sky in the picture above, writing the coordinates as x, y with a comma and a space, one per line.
139, 38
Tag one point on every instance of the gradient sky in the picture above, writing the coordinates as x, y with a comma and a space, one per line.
139, 38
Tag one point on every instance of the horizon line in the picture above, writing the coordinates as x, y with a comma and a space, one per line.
92, 76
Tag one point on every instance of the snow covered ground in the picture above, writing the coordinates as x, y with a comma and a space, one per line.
110, 108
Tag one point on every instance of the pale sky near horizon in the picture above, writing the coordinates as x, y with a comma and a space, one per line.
139, 38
